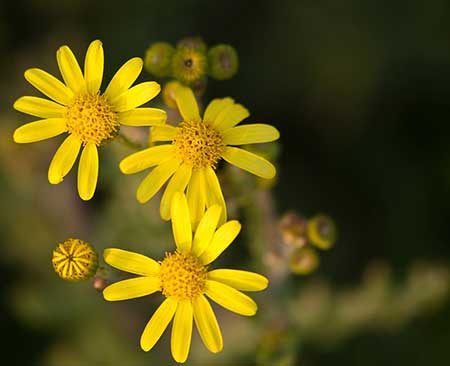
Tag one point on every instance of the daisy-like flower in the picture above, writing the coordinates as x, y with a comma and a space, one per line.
192, 151
184, 279
89, 117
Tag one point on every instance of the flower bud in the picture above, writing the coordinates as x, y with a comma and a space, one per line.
303, 261
223, 62
293, 229
99, 283
322, 231
158, 59
196, 43
75, 260
188, 65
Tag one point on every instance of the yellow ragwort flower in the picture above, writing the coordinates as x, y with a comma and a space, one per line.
78, 108
74, 260
193, 150
184, 279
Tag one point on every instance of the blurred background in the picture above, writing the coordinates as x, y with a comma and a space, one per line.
360, 93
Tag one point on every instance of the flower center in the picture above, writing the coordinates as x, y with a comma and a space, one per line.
74, 260
198, 144
91, 119
182, 276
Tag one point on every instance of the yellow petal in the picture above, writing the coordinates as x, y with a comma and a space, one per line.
131, 262
187, 104
49, 85
177, 183
124, 78
93, 66
153, 182
215, 107
64, 159
135, 96
143, 117
222, 238
163, 133
230, 298
205, 230
207, 325
240, 280
70, 70
196, 197
39, 130
249, 162
182, 331
250, 134
181, 222
146, 158
88, 171
158, 324
213, 192
39, 107
230, 117
132, 288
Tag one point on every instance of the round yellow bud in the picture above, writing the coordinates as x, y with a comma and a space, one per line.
304, 261
75, 260
322, 231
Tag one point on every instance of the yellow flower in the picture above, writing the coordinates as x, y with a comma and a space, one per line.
184, 279
90, 118
193, 150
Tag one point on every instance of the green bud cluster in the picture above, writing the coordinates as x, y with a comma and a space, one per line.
190, 62
303, 236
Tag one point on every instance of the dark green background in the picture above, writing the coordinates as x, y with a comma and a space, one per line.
360, 91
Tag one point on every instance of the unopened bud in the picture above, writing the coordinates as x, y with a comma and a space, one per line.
304, 261
158, 59
293, 229
188, 65
99, 283
196, 43
223, 62
322, 231
75, 260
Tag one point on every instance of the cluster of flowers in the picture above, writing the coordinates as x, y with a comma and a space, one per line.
185, 159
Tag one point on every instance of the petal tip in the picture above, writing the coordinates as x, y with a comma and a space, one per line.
16, 137
140, 198
179, 359
63, 47
86, 196
237, 225
264, 283
271, 174
144, 347
16, 104
97, 43
165, 216
106, 253
122, 167
27, 71
138, 60
276, 134
216, 350
53, 179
